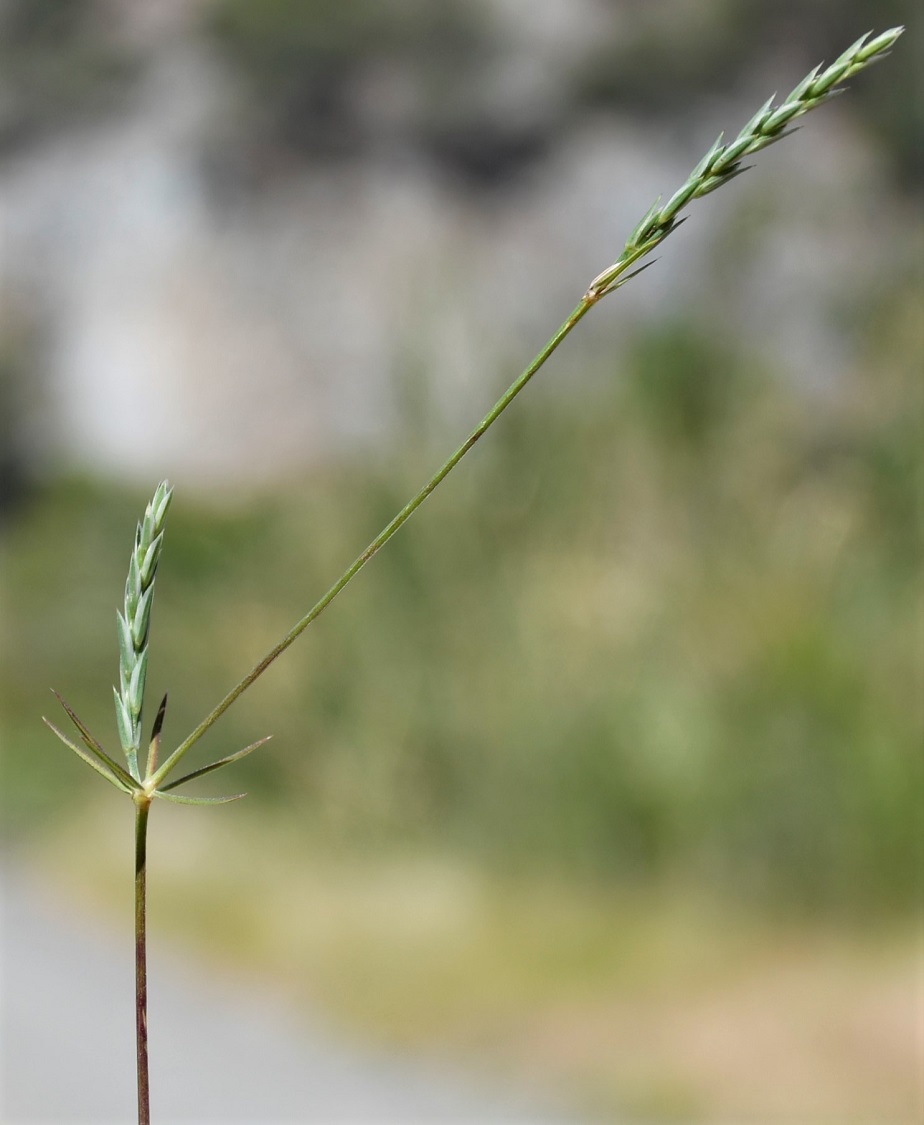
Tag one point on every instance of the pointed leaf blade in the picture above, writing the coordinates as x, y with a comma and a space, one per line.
154, 746
622, 281
175, 799
216, 765
94, 746
84, 756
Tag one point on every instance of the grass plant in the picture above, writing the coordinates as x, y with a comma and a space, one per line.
722, 163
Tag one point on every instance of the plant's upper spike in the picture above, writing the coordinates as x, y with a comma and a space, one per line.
731, 154
717, 181
785, 113
707, 160
613, 286
763, 142
644, 223
644, 239
799, 91
678, 200
880, 45
750, 128
676, 224
853, 49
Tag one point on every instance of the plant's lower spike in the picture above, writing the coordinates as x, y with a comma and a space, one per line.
135, 621
125, 728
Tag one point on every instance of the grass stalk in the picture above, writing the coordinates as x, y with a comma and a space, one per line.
720, 165
377, 543
142, 808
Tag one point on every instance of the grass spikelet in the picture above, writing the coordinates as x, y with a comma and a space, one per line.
135, 621
722, 162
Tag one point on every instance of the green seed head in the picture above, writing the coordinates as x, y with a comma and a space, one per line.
135, 621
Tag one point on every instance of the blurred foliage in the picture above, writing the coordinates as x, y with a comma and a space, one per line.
305, 67
302, 63
331, 79
57, 64
671, 627
16, 347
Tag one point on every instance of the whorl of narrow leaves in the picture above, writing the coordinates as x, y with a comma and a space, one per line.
723, 161
134, 623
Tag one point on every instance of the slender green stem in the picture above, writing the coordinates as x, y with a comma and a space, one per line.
720, 165
380, 540
142, 807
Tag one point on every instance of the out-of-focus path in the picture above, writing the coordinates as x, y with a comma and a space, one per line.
219, 1051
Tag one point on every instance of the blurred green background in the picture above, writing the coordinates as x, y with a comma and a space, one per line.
630, 714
